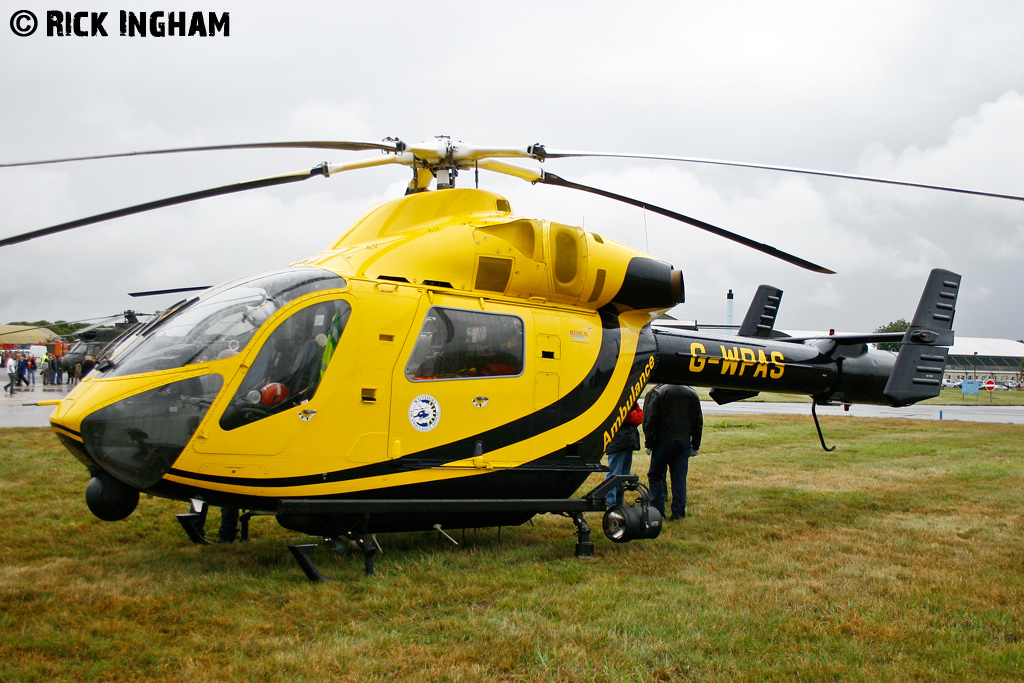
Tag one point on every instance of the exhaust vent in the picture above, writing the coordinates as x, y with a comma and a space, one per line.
493, 274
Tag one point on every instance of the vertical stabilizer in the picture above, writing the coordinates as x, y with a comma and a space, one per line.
759, 322
760, 318
917, 374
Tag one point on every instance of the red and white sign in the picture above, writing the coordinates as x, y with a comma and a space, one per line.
990, 385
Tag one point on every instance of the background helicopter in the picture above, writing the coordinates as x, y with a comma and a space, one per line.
93, 340
444, 363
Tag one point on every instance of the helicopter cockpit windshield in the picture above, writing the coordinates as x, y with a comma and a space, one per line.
219, 323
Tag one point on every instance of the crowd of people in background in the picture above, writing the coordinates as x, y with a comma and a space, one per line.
23, 368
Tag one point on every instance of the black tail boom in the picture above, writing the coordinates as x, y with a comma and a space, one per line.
830, 369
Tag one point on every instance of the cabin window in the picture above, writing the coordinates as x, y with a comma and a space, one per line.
288, 369
455, 344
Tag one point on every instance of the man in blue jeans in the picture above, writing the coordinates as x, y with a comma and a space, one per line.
673, 426
620, 452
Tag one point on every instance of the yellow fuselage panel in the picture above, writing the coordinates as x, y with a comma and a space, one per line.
354, 433
348, 405
422, 211
478, 405
470, 241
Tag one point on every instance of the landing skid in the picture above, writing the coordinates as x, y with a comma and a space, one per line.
301, 553
194, 525
594, 501
358, 537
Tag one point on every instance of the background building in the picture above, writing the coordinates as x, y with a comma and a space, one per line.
984, 359
22, 336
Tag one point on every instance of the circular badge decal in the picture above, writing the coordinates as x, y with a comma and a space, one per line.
424, 412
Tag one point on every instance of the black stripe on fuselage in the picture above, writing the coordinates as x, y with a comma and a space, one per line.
68, 432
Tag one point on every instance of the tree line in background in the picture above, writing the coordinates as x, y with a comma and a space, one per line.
900, 325
62, 327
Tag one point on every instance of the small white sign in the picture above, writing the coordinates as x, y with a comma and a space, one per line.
424, 413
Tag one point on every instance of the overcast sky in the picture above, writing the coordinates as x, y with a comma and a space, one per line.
929, 92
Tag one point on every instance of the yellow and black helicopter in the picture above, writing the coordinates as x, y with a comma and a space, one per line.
445, 363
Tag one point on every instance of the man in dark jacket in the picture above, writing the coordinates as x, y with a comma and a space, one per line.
673, 426
23, 371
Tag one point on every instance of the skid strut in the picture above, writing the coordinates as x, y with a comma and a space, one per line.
301, 554
358, 536
584, 546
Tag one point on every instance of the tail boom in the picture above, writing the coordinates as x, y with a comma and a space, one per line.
830, 369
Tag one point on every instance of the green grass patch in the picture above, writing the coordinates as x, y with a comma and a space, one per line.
898, 557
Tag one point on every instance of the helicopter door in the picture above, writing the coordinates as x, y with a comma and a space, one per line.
280, 391
464, 378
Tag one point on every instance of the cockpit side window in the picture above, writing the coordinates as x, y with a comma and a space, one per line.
456, 343
288, 368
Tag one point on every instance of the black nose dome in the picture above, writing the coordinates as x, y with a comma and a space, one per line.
110, 499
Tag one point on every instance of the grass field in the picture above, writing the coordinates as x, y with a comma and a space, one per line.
899, 557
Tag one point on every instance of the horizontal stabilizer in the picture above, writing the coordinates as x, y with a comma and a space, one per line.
850, 338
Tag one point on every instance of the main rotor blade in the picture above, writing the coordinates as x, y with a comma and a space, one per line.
552, 179
540, 153
171, 201
176, 290
386, 146
101, 323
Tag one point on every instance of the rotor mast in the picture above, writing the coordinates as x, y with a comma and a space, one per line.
443, 159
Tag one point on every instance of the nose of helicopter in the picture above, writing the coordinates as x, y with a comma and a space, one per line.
133, 440
107, 496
